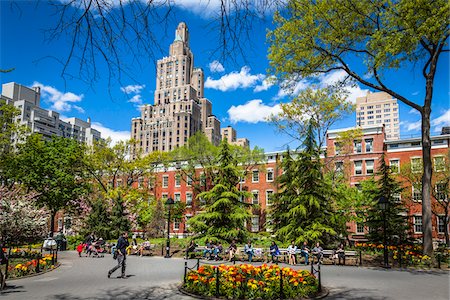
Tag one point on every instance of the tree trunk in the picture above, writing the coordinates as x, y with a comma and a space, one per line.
52, 223
427, 229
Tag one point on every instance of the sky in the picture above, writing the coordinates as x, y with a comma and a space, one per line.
238, 88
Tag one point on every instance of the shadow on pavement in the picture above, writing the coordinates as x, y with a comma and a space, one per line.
152, 292
11, 289
353, 294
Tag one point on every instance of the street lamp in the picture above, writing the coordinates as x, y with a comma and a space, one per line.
384, 204
169, 204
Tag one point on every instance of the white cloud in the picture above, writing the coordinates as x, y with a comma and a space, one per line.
414, 111
413, 126
136, 99
115, 136
235, 80
266, 84
60, 101
216, 66
132, 89
292, 88
415, 93
441, 121
253, 111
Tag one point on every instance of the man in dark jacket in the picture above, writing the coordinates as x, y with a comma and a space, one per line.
122, 244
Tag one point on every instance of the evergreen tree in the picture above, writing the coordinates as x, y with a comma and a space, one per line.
303, 202
224, 214
98, 221
119, 221
396, 218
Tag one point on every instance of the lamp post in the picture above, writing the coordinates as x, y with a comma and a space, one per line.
384, 204
169, 204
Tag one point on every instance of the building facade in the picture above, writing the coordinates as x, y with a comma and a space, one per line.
361, 162
229, 133
377, 109
45, 122
179, 107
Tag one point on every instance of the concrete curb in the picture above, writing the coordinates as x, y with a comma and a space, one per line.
34, 274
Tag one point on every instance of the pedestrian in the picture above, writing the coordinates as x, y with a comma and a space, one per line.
232, 250
248, 249
317, 251
274, 251
292, 249
80, 248
305, 251
122, 244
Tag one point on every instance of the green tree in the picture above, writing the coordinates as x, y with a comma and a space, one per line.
224, 213
157, 222
304, 197
396, 215
53, 169
119, 220
318, 37
98, 221
322, 107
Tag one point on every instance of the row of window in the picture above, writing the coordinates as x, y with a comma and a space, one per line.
357, 146
417, 223
255, 178
255, 199
416, 164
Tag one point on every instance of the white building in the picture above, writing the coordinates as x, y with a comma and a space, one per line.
376, 109
42, 121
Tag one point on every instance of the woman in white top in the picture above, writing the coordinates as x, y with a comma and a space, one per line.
292, 249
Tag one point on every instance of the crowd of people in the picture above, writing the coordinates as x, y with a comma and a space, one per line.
214, 250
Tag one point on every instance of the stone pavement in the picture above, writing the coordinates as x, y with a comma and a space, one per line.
158, 278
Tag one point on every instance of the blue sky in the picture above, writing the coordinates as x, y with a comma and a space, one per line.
240, 95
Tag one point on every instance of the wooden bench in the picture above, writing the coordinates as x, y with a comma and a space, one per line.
146, 252
349, 254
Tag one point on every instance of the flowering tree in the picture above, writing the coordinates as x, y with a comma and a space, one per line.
20, 220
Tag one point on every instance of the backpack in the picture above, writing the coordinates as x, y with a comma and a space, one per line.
114, 252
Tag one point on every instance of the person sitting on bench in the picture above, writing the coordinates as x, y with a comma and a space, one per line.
232, 249
317, 251
339, 254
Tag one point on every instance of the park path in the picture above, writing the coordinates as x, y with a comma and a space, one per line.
158, 278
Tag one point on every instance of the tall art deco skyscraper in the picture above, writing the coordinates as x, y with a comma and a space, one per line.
179, 109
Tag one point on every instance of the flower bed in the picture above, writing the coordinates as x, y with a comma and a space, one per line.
250, 282
19, 267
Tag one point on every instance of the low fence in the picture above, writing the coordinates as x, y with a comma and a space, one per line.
315, 271
37, 257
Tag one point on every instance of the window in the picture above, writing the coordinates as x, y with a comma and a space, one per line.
255, 197
417, 192
441, 224
165, 181
269, 199
177, 180
441, 191
188, 199
203, 180
416, 164
177, 197
394, 165
418, 224
357, 147
255, 176
186, 225
189, 179
242, 179
339, 167
269, 175
164, 197
439, 163
369, 166
360, 228
369, 145
176, 225
337, 148
358, 167
255, 223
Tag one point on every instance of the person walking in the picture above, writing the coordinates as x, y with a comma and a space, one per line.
122, 244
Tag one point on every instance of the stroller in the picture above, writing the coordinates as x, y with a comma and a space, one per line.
97, 248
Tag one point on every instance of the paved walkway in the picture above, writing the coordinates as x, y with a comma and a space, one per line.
157, 278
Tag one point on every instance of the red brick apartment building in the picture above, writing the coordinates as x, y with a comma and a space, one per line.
360, 160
